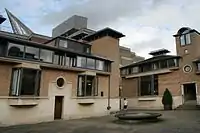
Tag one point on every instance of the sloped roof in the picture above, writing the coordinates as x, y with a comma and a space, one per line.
153, 59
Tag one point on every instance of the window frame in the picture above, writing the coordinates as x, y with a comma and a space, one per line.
185, 37
94, 91
19, 79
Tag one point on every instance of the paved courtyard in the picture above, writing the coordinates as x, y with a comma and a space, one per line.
171, 122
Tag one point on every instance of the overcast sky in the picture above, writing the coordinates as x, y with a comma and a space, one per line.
147, 24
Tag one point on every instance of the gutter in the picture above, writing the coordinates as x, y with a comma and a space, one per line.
109, 107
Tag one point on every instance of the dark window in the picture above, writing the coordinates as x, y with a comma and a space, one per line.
147, 67
60, 82
31, 53
172, 62
25, 82
148, 85
87, 85
198, 66
163, 64
107, 67
46, 55
185, 38
155, 65
15, 50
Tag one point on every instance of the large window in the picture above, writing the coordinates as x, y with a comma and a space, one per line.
15, 50
46, 55
25, 82
31, 53
185, 38
172, 63
59, 59
87, 86
148, 85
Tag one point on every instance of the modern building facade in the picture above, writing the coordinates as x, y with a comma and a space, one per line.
46, 78
144, 82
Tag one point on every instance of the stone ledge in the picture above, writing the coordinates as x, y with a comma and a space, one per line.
23, 102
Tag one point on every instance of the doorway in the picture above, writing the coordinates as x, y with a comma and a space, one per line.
189, 91
58, 107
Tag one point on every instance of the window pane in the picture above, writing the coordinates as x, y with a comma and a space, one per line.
182, 39
46, 55
99, 65
81, 85
155, 65
90, 63
15, 82
198, 66
135, 69
188, 41
63, 43
59, 59
32, 53
163, 64
28, 84
81, 61
172, 62
89, 85
15, 50
67, 61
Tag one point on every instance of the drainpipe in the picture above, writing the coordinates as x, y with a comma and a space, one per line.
109, 107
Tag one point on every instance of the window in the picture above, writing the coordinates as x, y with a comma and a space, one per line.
148, 85
87, 86
67, 61
59, 59
185, 38
146, 67
198, 66
46, 55
163, 64
31, 53
172, 62
25, 82
90, 63
123, 71
63, 43
107, 66
81, 61
72, 62
15, 50
135, 70
99, 65
155, 65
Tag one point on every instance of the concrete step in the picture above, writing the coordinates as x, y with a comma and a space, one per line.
188, 107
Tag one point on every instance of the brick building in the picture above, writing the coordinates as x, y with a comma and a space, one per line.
144, 82
45, 78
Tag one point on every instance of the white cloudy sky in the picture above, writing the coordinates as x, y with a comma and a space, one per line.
147, 24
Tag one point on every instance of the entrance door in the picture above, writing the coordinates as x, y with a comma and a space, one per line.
58, 107
189, 92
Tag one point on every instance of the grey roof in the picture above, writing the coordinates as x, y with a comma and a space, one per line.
153, 59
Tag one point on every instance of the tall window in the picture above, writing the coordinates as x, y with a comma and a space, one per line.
81, 61
87, 86
25, 82
185, 38
59, 59
148, 85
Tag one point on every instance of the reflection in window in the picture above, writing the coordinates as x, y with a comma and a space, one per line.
81, 61
67, 61
155, 65
15, 50
99, 65
90, 63
46, 55
31, 53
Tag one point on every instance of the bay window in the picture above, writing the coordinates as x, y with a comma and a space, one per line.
87, 86
25, 82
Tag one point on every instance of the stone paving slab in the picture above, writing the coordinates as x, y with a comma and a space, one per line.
170, 122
